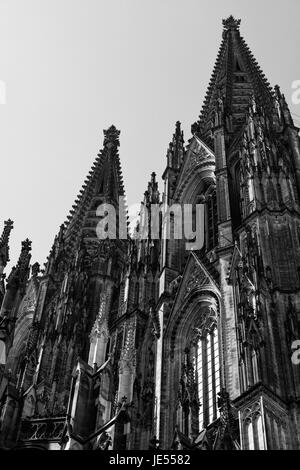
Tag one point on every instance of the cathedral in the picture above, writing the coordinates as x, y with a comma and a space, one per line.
139, 342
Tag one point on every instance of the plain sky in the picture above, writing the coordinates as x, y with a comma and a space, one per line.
74, 67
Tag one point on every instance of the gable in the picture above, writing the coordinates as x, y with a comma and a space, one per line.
198, 161
195, 279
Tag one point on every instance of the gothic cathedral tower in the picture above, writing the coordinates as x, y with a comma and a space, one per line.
245, 149
171, 338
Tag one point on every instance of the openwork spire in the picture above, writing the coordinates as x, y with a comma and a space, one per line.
104, 183
235, 79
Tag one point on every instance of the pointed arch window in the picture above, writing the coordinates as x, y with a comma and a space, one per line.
249, 434
126, 289
250, 189
235, 195
136, 293
208, 374
254, 434
211, 221
2, 352
259, 432
254, 364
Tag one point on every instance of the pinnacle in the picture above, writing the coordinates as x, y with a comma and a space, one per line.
111, 135
8, 223
35, 269
178, 132
277, 91
112, 128
8, 226
231, 23
26, 245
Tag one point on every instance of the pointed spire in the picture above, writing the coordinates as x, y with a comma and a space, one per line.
104, 183
178, 131
111, 136
111, 184
25, 256
4, 240
230, 23
176, 148
152, 193
20, 272
283, 106
8, 226
237, 76
35, 269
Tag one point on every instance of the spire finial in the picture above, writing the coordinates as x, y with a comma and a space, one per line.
231, 23
35, 269
277, 91
111, 136
8, 226
4, 239
25, 253
21, 270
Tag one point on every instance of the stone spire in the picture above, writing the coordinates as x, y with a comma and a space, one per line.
176, 148
235, 79
152, 193
15, 289
104, 183
110, 184
230, 23
4, 248
19, 274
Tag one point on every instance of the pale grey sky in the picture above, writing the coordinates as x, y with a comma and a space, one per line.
74, 67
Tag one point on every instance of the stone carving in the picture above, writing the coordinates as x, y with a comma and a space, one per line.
231, 23
128, 354
198, 158
104, 442
197, 279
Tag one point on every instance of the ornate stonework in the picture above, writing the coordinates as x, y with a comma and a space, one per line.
132, 343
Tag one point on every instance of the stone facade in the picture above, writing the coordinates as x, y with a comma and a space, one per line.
139, 342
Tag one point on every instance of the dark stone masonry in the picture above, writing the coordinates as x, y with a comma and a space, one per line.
132, 343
